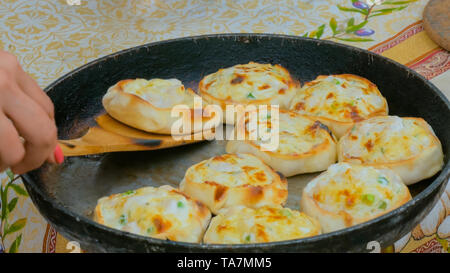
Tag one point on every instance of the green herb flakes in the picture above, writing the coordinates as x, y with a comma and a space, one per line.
128, 193
383, 205
368, 199
383, 180
286, 212
123, 219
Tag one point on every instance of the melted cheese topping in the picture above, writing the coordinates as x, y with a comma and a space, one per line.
161, 93
339, 98
154, 211
242, 225
357, 190
246, 83
231, 170
386, 139
297, 134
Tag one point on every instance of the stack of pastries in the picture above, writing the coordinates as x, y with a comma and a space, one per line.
338, 124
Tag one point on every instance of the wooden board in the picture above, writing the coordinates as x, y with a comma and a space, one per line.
110, 135
436, 22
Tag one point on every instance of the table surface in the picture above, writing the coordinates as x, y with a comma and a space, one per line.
52, 37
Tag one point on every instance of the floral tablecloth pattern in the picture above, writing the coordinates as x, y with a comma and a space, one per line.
52, 37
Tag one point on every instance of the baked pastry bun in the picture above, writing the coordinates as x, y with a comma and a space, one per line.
339, 101
347, 195
252, 83
304, 145
147, 104
406, 145
163, 213
242, 225
234, 179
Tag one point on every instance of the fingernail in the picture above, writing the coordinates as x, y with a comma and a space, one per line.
59, 157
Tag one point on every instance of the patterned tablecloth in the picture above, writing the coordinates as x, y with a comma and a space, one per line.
52, 37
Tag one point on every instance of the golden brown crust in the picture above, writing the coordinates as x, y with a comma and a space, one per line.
243, 225
318, 158
335, 219
163, 213
139, 113
255, 192
337, 125
412, 169
282, 97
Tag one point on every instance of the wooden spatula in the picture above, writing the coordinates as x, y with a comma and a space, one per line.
109, 135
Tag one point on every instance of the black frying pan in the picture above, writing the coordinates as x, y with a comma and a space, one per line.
66, 195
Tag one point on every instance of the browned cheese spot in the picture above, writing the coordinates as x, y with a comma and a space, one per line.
347, 218
263, 87
299, 106
261, 233
221, 158
221, 228
220, 190
248, 168
238, 79
160, 224
369, 145
202, 207
354, 114
255, 193
260, 176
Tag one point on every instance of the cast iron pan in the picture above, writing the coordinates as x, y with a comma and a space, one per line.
66, 195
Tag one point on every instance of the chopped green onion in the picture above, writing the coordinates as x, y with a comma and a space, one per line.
269, 116
353, 128
123, 219
337, 82
383, 205
180, 204
286, 212
382, 150
247, 238
150, 230
383, 180
128, 192
368, 199
250, 95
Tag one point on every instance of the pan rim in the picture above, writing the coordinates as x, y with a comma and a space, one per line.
442, 178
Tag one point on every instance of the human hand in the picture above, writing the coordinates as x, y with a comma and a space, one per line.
28, 134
